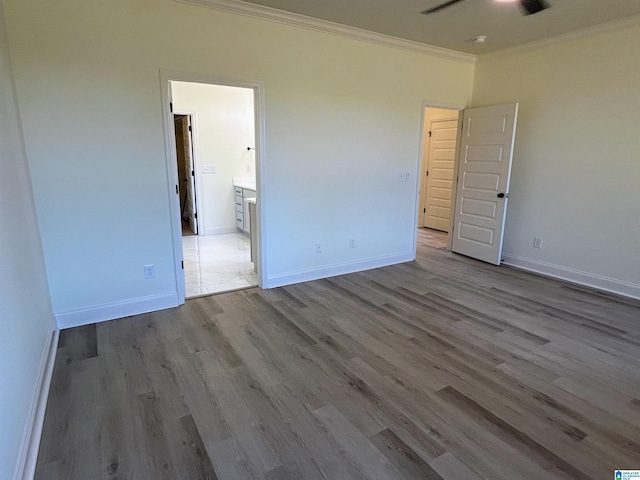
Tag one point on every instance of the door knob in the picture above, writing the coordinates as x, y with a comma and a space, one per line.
502, 195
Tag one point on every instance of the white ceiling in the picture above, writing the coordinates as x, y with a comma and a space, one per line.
454, 27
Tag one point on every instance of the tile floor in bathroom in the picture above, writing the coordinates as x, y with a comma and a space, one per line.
217, 263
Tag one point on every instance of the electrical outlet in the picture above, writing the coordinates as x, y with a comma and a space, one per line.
208, 169
318, 248
149, 271
352, 243
537, 242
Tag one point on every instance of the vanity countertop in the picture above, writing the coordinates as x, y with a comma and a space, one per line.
245, 182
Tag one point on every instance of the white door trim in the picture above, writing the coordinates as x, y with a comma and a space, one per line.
421, 146
167, 76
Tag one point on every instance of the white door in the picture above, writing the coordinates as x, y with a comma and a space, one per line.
439, 175
190, 171
486, 151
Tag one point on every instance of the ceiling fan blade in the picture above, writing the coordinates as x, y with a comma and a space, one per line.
441, 6
529, 7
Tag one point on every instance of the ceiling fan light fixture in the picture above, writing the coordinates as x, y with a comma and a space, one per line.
533, 6
528, 7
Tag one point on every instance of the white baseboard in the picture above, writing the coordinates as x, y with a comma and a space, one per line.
33, 431
289, 278
600, 282
220, 231
111, 311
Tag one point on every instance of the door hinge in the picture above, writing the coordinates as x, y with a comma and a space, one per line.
427, 173
193, 173
424, 210
177, 192
182, 262
429, 134
195, 215
171, 107
189, 127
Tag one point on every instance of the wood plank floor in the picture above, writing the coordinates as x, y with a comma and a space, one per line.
442, 368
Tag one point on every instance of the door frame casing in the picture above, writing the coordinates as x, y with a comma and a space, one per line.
167, 76
445, 105
194, 157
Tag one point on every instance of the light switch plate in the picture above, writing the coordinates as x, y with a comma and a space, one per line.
405, 176
208, 169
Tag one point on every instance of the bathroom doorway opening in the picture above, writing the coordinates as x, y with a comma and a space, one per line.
214, 143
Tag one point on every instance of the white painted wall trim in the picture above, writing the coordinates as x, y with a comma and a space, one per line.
111, 311
33, 432
566, 37
172, 184
289, 278
600, 282
310, 23
221, 231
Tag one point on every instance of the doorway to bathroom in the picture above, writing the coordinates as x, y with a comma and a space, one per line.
215, 160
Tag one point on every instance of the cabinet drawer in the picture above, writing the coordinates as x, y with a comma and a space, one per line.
240, 220
239, 203
238, 191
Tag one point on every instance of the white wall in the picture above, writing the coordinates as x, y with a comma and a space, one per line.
225, 128
576, 172
26, 319
342, 121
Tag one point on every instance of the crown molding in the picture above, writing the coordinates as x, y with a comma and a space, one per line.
325, 26
565, 37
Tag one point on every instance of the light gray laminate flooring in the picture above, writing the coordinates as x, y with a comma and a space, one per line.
442, 368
